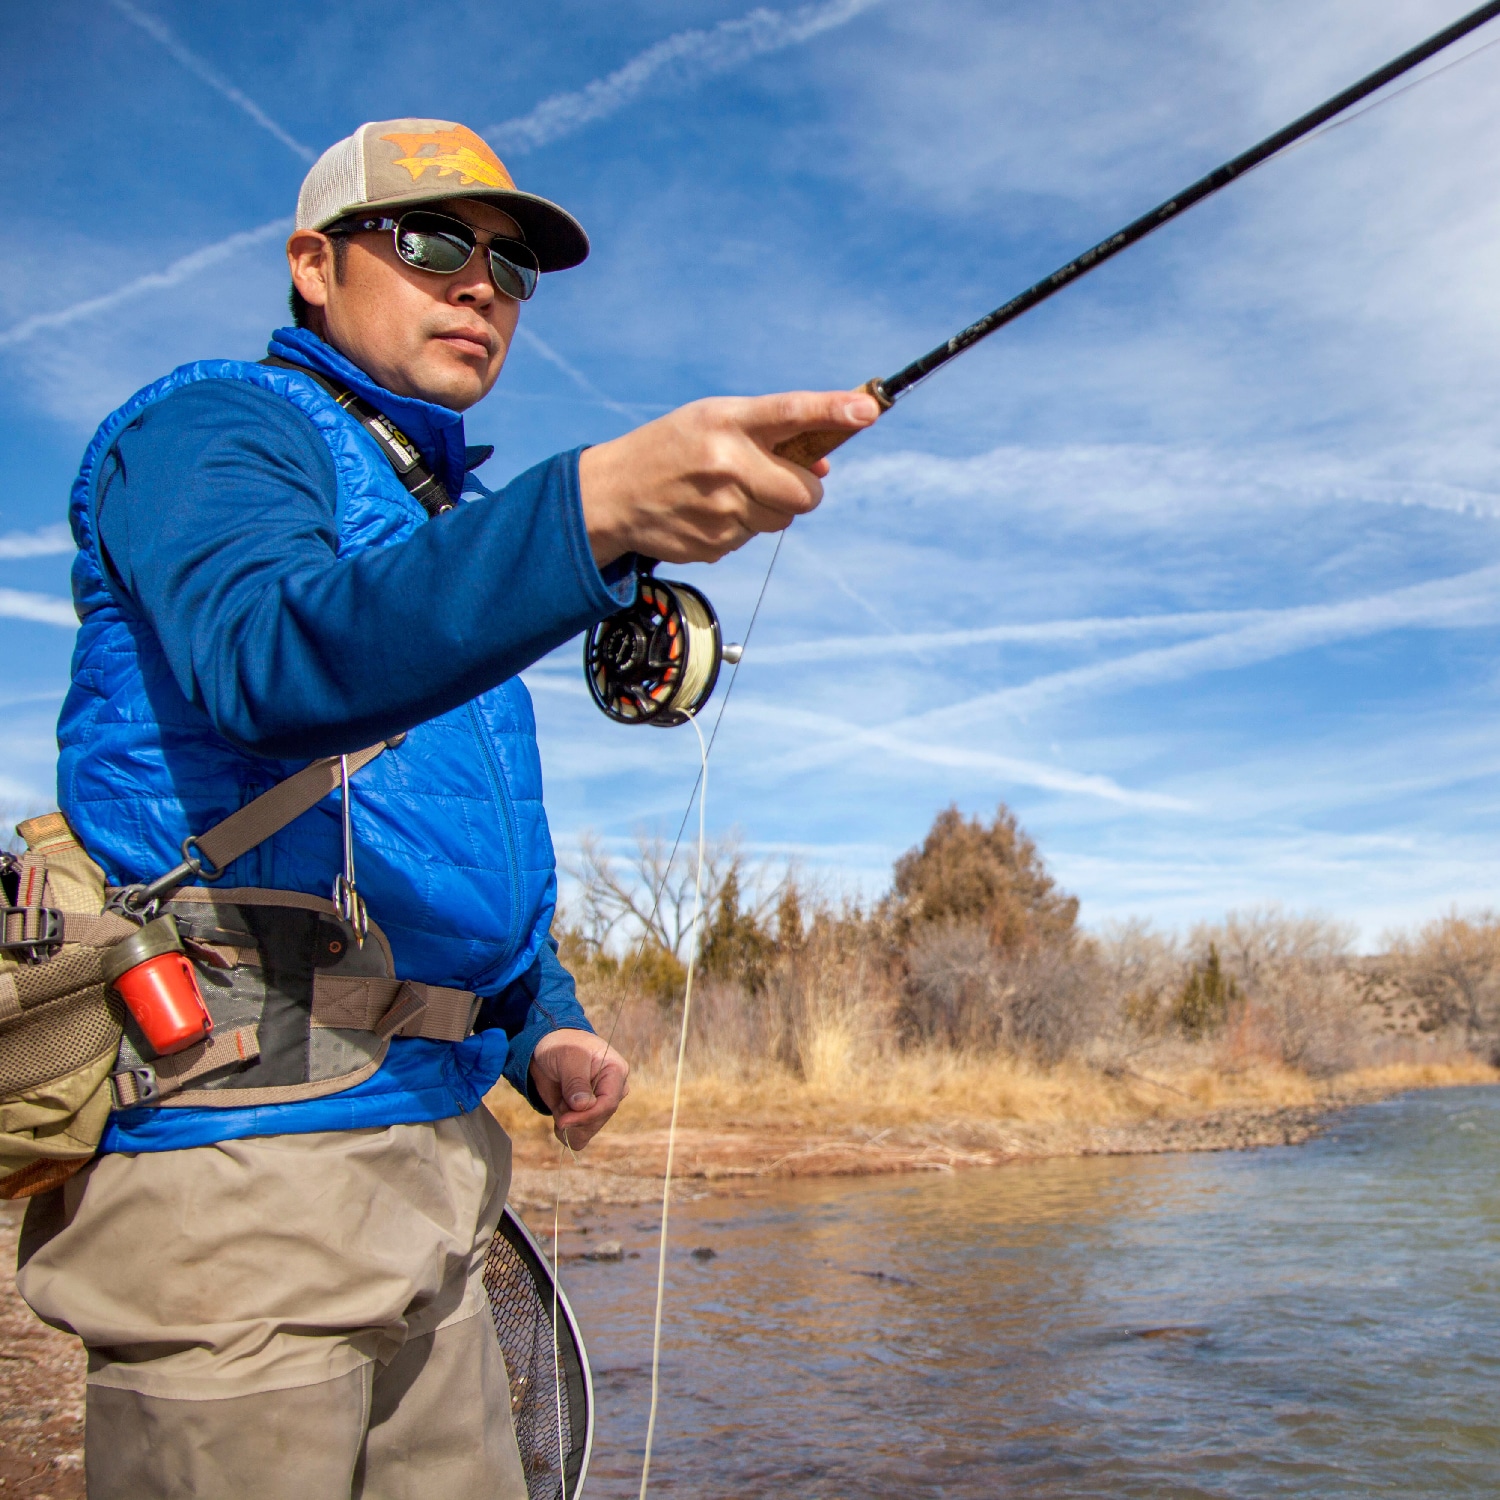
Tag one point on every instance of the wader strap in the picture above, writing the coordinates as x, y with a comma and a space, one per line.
271, 811
393, 1007
166, 1075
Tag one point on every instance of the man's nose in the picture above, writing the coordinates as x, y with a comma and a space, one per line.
472, 286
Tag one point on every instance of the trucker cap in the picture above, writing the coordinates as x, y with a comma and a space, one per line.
399, 164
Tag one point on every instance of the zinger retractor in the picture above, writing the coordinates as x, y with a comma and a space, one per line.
656, 662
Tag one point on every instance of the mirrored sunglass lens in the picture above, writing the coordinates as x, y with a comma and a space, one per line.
431, 249
513, 277
432, 242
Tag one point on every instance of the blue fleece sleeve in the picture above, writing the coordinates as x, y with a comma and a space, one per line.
543, 999
218, 516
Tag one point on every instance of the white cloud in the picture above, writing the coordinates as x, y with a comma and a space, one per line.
179, 271
45, 609
587, 386
686, 57
215, 80
46, 541
1472, 599
1043, 632
1006, 768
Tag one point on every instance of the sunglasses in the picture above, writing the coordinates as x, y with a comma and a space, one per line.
436, 243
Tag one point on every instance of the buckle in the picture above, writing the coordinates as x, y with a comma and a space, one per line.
46, 923
147, 1089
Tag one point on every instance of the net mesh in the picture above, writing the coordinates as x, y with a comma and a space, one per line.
520, 1293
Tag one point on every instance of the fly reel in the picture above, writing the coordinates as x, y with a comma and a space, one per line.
656, 662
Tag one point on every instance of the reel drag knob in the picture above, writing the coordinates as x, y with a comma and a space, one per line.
656, 661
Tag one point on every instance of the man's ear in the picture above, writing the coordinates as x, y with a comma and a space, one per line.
309, 257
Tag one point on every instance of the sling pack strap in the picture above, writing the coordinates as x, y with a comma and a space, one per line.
254, 823
403, 455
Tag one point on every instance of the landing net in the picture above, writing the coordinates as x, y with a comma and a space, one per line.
551, 1391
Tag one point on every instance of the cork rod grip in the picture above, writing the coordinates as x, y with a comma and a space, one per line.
808, 447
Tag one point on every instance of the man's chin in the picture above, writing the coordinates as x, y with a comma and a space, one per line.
452, 380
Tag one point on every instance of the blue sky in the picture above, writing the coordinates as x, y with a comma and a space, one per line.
1197, 567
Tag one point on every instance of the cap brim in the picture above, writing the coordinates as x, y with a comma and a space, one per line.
552, 232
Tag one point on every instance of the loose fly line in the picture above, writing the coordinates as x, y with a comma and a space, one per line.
682, 1037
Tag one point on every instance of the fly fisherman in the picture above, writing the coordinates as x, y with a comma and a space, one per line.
274, 1261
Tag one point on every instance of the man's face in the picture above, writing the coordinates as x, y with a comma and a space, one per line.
440, 338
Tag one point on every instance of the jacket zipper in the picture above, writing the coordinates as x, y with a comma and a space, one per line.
508, 817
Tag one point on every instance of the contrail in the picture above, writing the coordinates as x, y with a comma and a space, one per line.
1007, 767
577, 376
195, 64
1043, 632
153, 281
46, 609
47, 541
681, 59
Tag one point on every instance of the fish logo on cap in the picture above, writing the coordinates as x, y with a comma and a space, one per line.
455, 152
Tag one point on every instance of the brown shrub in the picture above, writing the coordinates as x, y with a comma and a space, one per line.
991, 877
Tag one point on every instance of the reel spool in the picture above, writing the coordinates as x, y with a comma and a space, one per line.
657, 661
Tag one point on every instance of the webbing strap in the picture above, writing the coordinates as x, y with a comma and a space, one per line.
102, 931
271, 811
168, 1074
391, 1007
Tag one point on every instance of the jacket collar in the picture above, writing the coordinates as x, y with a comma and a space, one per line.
437, 431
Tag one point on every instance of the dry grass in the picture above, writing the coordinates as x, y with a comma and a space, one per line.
941, 1087
858, 1026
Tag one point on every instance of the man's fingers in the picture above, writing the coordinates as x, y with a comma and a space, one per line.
772, 419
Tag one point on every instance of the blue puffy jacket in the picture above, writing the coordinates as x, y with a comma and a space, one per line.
157, 742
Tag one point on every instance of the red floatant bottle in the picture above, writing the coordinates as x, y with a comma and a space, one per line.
154, 977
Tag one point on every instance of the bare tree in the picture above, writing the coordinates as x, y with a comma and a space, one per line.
1454, 965
651, 892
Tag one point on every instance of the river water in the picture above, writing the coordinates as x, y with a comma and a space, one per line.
1318, 1320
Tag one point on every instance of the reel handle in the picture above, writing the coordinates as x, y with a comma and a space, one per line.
808, 447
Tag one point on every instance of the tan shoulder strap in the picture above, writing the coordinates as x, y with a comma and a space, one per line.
254, 823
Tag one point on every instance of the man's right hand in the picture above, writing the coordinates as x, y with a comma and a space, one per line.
702, 480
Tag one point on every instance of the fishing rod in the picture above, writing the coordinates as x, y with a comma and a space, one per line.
657, 660
808, 447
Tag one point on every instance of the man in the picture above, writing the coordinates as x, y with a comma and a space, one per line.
280, 1296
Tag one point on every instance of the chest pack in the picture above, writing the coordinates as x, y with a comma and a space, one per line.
300, 1004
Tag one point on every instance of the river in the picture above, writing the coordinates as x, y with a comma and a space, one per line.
1318, 1320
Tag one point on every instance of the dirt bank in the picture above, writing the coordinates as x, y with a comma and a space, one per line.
1058, 1116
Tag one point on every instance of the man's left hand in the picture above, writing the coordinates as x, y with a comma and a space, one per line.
582, 1080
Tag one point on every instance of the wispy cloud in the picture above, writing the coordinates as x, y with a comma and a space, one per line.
45, 609
46, 541
215, 80
1044, 632
684, 58
153, 281
584, 384
1448, 603
1006, 768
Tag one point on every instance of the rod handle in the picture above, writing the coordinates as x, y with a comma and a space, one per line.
808, 447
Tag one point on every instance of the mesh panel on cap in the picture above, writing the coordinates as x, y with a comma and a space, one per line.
335, 183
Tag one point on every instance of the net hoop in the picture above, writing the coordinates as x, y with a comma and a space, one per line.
521, 1289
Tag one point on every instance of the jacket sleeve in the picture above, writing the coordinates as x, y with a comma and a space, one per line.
217, 513
543, 999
